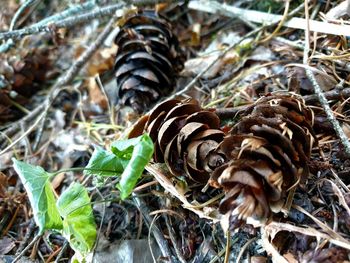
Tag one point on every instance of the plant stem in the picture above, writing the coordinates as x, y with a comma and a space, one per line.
76, 169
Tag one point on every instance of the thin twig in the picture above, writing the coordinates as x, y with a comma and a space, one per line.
243, 249
262, 17
72, 21
318, 90
66, 79
74, 10
63, 249
335, 94
30, 230
71, 11
10, 43
36, 238
228, 247
162, 243
65, 23
20, 11
101, 224
173, 239
251, 33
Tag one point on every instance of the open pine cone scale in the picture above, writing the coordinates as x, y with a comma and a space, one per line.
186, 138
147, 61
264, 156
269, 149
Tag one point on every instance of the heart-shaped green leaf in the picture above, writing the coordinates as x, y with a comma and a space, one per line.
41, 196
104, 163
140, 151
79, 226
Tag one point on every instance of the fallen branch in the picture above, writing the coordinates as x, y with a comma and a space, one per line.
263, 18
63, 81
318, 90
10, 43
65, 23
196, 5
336, 94
73, 20
152, 226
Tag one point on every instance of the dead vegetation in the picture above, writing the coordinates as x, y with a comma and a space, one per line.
246, 103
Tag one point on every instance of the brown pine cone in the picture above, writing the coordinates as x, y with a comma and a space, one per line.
147, 61
186, 138
21, 77
268, 151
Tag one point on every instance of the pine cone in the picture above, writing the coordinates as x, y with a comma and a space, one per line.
186, 138
148, 59
269, 149
21, 77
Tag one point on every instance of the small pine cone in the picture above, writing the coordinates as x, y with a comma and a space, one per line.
21, 77
269, 149
147, 61
186, 138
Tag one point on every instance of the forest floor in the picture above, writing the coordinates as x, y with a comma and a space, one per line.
58, 102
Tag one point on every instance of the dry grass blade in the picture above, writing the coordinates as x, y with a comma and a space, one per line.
330, 232
270, 249
261, 17
273, 228
65, 80
163, 180
339, 194
318, 90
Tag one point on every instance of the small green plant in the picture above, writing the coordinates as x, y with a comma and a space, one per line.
71, 213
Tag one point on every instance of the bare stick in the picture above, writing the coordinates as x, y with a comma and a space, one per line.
318, 90
262, 17
20, 11
9, 43
336, 94
68, 22
63, 249
66, 79
36, 238
30, 230
72, 21
251, 33
173, 239
71, 11
162, 243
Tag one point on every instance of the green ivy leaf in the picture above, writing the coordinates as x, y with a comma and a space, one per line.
104, 163
124, 148
36, 181
140, 151
79, 226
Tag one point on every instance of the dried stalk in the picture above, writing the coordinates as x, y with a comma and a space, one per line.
336, 94
261, 17
318, 90
73, 20
65, 80
195, 5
